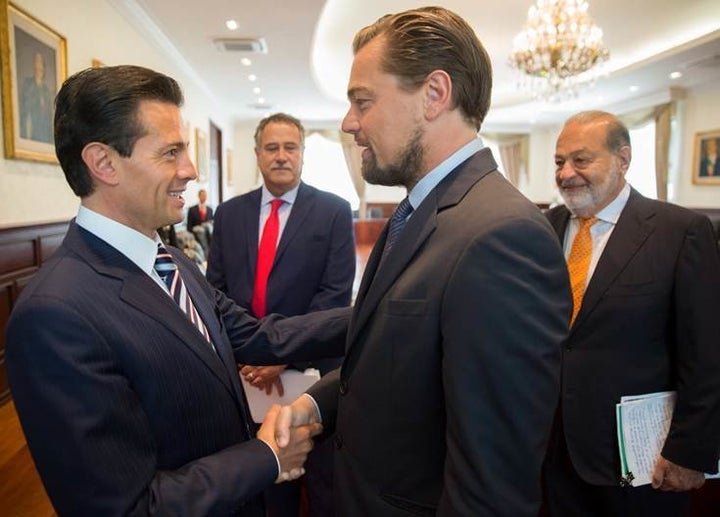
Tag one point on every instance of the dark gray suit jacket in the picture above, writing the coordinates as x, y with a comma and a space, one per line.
648, 322
126, 409
444, 402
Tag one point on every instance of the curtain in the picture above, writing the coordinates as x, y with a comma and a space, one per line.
513, 150
662, 116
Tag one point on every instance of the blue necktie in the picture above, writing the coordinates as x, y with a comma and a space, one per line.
168, 271
397, 223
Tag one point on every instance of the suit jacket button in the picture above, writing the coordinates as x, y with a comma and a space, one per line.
343, 387
338, 441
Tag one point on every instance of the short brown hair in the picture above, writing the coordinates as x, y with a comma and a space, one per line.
279, 118
431, 38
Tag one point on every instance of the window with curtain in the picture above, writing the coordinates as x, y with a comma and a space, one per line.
325, 168
641, 174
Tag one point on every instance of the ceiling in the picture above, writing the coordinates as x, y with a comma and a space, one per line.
308, 59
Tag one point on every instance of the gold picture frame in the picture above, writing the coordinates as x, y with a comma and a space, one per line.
706, 158
201, 155
34, 66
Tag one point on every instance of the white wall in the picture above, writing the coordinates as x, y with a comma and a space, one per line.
701, 113
33, 192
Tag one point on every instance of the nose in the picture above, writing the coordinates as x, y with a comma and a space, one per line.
564, 172
350, 123
187, 170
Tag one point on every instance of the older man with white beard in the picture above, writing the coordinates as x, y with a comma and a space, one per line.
645, 277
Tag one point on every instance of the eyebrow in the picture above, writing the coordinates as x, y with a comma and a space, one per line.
354, 92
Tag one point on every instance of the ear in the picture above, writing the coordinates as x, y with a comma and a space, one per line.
624, 155
438, 94
100, 160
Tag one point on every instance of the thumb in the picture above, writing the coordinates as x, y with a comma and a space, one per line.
658, 475
283, 421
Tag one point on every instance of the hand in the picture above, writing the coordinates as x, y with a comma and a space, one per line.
671, 477
301, 412
292, 456
264, 377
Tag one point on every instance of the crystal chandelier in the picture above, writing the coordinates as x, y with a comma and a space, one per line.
558, 48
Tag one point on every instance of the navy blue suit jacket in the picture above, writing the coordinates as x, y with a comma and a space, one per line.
126, 408
314, 265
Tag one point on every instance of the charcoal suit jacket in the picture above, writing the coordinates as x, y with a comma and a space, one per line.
648, 322
445, 399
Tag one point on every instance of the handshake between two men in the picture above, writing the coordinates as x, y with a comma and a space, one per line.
289, 432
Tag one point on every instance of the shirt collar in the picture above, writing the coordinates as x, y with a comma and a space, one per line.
288, 197
140, 249
431, 180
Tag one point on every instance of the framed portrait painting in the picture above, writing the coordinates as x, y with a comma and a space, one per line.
34, 66
706, 158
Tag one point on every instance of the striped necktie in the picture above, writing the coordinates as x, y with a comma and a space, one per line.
396, 225
579, 263
169, 273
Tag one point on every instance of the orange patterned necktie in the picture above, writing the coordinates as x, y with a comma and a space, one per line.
579, 263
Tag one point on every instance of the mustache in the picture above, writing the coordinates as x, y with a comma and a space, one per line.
572, 183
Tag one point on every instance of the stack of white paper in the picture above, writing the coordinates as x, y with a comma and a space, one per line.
643, 422
294, 383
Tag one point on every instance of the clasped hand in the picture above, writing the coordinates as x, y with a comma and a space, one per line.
296, 441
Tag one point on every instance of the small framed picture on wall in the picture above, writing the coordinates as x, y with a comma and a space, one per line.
706, 158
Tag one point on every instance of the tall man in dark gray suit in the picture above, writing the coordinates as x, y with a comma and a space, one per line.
313, 269
130, 402
646, 320
445, 399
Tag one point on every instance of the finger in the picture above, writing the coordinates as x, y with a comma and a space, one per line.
282, 426
658, 476
296, 472
315, 429
271, 416
279, 384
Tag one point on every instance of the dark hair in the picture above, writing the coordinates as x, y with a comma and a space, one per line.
279, 118
101, 105
433, 38
617, 135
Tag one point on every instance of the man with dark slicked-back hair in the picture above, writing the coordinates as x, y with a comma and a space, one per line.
444, 401
121, 358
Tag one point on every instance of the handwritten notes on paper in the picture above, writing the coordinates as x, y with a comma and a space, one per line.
643, 422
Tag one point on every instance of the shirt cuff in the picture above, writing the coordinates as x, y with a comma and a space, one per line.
277, 460
317, 408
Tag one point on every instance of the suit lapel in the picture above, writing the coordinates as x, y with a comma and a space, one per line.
141, 292
251, 214
420, 226
298, 214
632, 229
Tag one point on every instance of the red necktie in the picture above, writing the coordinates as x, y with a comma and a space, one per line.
265, 258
